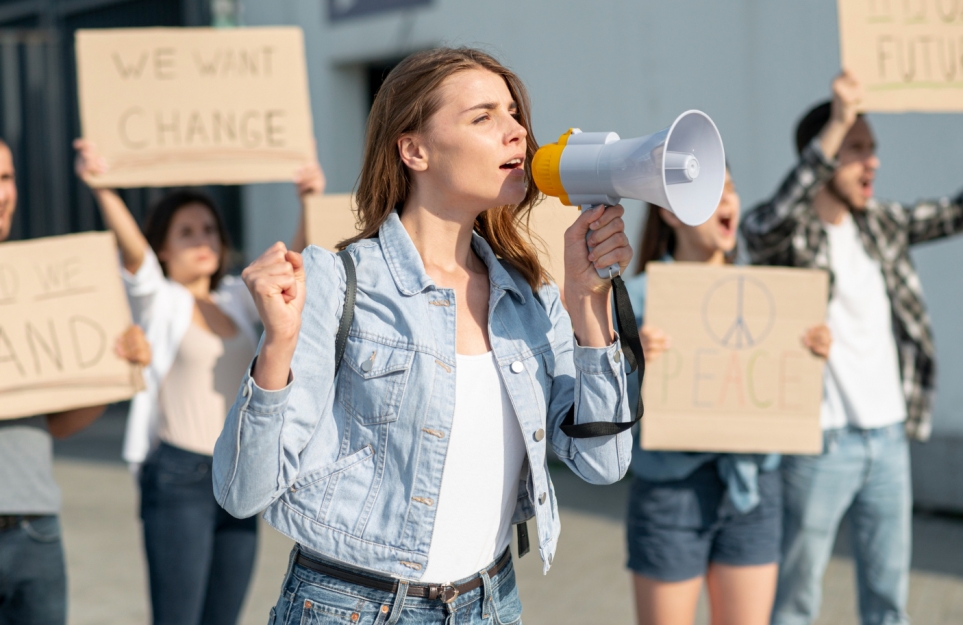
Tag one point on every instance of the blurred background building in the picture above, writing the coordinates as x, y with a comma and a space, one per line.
628, 66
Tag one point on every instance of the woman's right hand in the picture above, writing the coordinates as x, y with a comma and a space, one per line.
654, 343
89, 163
277, 283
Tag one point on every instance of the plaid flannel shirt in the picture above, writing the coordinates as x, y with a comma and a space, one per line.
785, 231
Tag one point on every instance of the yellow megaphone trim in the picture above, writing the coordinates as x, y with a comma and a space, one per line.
545, 169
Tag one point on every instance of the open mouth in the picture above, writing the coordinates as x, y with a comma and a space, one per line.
867, 187
726, 225
515, 163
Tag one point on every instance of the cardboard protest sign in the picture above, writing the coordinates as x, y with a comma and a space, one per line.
187, 106
737, 377
62, 306
907, 53
329, 219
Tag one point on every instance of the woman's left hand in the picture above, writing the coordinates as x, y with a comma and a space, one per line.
310, 179
609, 246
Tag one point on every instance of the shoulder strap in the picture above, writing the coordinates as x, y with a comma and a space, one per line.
632, 352
347, 312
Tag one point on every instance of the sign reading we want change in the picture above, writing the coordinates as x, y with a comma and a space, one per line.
62, 307
907, 53
737, 377
185, 106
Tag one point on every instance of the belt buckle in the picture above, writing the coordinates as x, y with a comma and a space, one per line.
448, 593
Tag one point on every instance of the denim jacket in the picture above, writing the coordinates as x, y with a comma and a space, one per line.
350, 465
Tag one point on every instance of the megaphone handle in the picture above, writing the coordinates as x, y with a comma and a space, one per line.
612, 270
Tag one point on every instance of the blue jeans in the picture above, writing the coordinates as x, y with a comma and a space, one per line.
199, 558
311, 598
33, 581
865, 473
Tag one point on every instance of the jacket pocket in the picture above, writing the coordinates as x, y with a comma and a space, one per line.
314, 492
372, 380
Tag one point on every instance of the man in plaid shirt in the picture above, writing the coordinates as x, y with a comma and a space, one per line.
879, 379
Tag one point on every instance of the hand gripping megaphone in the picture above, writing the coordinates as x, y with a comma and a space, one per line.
681, 168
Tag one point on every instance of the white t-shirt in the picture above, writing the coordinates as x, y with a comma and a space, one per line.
862, 381
479, 486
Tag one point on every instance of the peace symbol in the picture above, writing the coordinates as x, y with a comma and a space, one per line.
738, 312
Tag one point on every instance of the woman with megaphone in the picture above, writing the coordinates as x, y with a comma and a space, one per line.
701, 516
397, 420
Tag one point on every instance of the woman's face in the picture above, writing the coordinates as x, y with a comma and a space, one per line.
473, 148
719, 233
192, 249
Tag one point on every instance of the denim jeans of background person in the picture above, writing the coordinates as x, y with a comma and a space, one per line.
178, 509
879, 379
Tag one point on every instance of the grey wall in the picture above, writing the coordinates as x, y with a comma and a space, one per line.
631, 66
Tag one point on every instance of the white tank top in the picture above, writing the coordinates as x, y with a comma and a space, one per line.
479, 486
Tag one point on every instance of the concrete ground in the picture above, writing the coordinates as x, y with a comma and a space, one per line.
587, 584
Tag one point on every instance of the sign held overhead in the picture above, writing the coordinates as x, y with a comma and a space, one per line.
907, 53
189, 106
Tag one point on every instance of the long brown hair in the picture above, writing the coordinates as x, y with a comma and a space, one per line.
658, 239
406, 101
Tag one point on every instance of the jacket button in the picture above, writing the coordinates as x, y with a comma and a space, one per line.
247, 391
618, 356
366, 366
517, 367
541, 498
539, 435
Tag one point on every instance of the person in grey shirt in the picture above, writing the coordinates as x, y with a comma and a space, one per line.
33, 581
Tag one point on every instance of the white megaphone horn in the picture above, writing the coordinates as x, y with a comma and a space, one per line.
681, 168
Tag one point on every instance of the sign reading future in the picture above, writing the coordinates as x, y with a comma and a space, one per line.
737, 378
62, 306
907, 53
185, 106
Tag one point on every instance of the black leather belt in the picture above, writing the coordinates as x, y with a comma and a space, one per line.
10, 521
445, 592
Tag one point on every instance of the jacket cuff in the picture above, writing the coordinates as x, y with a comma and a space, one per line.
261, 401
599, 360
823, 166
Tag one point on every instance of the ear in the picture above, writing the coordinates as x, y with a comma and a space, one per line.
413, 152
670, 218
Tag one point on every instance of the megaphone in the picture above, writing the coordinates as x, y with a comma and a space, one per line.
681, 168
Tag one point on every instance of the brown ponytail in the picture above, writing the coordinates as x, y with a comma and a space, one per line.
658, 239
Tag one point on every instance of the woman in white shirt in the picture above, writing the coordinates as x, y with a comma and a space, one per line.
202, 326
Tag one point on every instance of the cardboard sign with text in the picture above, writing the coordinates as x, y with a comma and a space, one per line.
737, 377
190, 106
907, 53
329, 219
62, 307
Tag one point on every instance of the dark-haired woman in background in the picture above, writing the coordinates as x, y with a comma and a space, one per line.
202, 326
695, 516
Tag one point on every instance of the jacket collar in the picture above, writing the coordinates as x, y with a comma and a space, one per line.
408, 270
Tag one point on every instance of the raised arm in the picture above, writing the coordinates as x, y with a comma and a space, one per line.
768, 228
310, 181
280, 404
933, 219
133, 246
